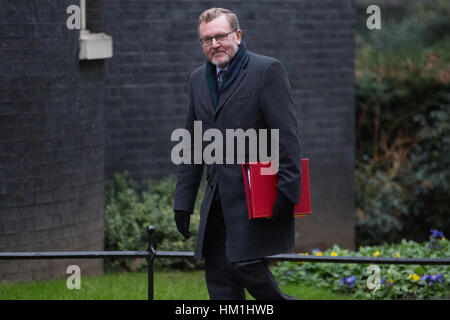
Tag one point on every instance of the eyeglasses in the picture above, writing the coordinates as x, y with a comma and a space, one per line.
207, 41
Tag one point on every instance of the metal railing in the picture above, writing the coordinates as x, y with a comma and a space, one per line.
150, 254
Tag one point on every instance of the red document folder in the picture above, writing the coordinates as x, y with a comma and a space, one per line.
261, 190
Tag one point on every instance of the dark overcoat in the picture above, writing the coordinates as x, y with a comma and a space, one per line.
259, 98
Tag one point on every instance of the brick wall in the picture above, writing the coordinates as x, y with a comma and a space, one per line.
156, 48
51, 141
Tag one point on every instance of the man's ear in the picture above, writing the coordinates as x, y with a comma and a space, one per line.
238, 36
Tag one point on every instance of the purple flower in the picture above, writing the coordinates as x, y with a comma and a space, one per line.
436, 233
425, 277
348, 281
432, 278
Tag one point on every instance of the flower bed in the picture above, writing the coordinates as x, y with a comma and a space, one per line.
377, 281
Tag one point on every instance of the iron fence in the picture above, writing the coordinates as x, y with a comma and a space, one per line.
150, 254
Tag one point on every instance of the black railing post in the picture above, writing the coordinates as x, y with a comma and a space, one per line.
151, 256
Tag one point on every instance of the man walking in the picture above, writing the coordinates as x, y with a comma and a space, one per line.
238, 89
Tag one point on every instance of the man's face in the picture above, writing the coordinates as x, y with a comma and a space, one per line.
220, 53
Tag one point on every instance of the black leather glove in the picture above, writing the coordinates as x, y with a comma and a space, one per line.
283, 208
183, 220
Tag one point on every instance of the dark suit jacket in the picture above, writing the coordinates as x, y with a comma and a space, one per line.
258, 98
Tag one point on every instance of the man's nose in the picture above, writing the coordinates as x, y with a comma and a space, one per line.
215, 43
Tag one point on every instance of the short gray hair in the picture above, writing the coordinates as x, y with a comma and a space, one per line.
210, 14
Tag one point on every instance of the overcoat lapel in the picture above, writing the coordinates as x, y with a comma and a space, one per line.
229, 91
206, 97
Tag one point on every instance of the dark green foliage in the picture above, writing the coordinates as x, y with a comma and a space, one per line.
128, 212
403, 129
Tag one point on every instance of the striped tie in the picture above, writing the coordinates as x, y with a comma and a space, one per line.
220, 78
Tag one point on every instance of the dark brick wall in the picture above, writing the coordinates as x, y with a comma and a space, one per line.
156, 48
51, 141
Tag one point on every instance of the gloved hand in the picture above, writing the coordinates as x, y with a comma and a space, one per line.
183, 220
283, 208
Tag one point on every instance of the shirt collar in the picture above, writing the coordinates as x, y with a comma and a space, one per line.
218, 69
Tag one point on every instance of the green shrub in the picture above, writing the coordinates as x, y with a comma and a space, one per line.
381, 203
402, 87
396, 281
128, 212
402, 179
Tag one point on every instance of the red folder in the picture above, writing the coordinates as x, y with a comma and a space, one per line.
261, 190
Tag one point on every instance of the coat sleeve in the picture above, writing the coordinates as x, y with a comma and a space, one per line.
279, 112
189, 175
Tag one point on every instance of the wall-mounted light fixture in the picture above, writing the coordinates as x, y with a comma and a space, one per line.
93, 45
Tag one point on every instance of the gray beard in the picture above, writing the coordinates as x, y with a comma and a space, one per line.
235, 50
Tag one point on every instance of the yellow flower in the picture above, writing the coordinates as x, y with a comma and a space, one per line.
376, 254
333, 254
415, 277
390, 280
443, 238
398, 255
319, 254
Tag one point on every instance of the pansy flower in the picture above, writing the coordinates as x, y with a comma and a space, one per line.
437, 234
415, 277
432, 278
348, 281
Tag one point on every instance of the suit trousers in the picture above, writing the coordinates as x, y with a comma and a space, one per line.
227, 281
